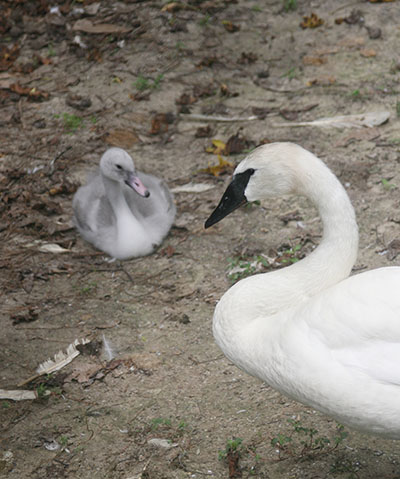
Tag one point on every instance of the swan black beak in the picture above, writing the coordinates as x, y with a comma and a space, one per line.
232, 199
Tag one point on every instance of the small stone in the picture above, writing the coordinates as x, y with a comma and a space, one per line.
39, 123
52, 445
263, 74
162, 443
374, 33
78, 102
184, 319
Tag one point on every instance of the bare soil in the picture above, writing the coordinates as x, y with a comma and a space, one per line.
89, 75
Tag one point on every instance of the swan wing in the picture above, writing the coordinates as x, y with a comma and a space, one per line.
92, 210
358, 322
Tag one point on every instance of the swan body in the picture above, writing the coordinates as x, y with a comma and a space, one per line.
121, 211
309, 330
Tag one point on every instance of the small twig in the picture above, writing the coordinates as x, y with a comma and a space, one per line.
21, 117
194, 471
89, 430
51, 328
27, 381
276, 90
199, 117
127, 273
343, 7
205, 361
51, 166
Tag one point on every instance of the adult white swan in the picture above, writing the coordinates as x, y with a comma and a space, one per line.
121, 211
309, 331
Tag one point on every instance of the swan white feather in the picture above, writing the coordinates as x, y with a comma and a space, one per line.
121, 211
322, 338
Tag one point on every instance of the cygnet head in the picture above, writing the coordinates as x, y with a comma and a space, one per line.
116, 164
270, 170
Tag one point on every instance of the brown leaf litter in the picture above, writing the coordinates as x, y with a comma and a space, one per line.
31, 93
160, 123
121, 138
230, 27
224, 166
312, 21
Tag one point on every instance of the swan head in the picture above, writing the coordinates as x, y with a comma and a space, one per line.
269, 171
116, 164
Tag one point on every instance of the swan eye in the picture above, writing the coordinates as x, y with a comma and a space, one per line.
251, 171
119, 167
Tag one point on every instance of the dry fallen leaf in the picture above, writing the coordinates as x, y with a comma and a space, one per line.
313, 21
42, 60
33, 93
95, 55
121, 138
322, 80
140, 96
368, 52
246, 58
316, 61
168, 251
203, 132
25, 316
218, 147
160, 122
8, 56
326, 51
172, 7
63, 188
186, 99
207, 61
230, 27
204, 90
352, 42
224, 166
236, 144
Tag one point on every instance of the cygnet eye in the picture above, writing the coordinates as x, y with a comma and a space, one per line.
119, 167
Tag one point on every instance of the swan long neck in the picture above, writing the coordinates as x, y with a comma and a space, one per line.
115, 195
335, 256
328, 264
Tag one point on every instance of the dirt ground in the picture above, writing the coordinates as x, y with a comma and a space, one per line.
78, 79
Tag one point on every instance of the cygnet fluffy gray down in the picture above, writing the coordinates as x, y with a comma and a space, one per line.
121, 211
